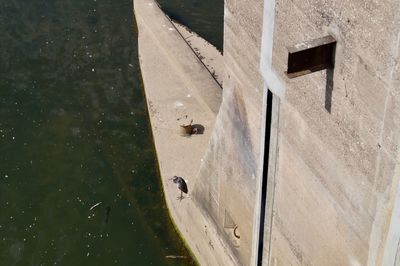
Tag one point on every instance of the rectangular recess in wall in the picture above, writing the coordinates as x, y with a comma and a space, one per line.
311, 56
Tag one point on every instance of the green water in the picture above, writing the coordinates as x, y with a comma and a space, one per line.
205, 17
74, 132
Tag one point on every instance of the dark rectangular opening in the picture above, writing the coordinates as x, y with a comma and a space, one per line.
268, 126
311, 56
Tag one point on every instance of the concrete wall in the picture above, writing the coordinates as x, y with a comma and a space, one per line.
335, 182
227, 184
333, 199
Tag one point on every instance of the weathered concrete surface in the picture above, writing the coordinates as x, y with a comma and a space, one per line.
230, 169
206, 52
181, 56
336, 179
337, 152
177, 85
334, 198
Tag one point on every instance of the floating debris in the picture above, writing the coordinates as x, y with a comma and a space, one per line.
94, 206
175, 257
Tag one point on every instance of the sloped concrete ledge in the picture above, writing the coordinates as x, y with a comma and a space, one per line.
178, 89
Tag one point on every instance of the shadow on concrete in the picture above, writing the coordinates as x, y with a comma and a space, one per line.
329, 89
199, 129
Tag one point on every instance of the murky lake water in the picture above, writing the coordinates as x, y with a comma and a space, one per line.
78, 175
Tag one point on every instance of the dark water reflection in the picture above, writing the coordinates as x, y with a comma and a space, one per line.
73, 133
205, 17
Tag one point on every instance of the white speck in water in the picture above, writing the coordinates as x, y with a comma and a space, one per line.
130, 65
92, 69
87, 255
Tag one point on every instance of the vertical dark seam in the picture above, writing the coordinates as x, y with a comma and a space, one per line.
268, 126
